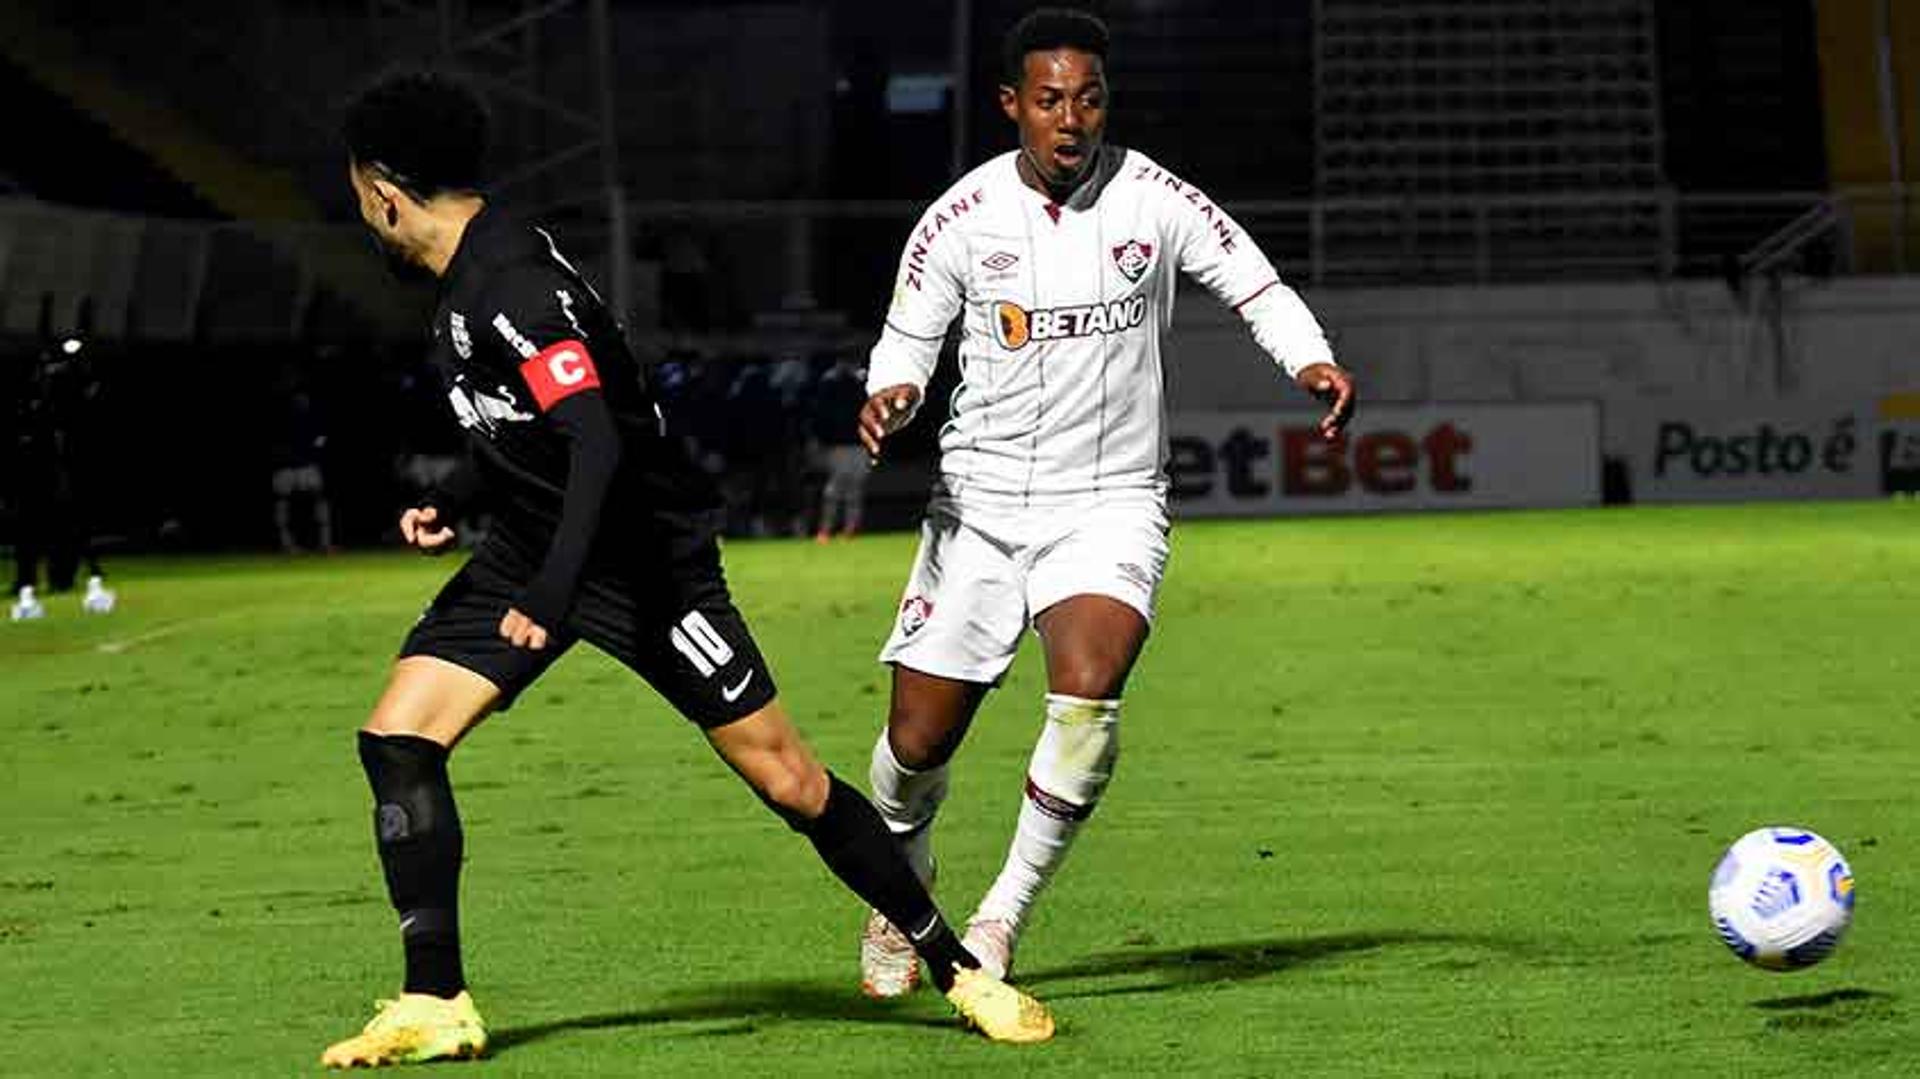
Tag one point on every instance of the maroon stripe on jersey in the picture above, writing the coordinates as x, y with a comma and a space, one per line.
891, 325
1257, 294
1055, 806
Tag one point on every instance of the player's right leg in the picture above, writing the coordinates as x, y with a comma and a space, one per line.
26, 567
959, 624
455, 670
283, 508
429, 704
829, 503
926, 720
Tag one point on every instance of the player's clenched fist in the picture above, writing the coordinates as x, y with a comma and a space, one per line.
1333, 387
420, 528
886, 412
521, 631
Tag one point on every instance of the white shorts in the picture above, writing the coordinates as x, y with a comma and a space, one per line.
983, 575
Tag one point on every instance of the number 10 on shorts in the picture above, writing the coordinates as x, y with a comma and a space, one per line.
696, 639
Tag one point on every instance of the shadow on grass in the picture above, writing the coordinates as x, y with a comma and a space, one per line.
743, 1008
1836, 1009
1171, 969
1814, 1001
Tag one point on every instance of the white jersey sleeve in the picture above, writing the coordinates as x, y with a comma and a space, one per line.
1214, 250
927, 293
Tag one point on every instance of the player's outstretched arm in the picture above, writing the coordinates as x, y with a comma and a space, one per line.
1331, 386
594, 450
886, 412
423, 530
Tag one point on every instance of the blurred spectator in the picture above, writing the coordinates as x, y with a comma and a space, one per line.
425, 454
791, 378
699, 413
759, 482
836, 402
46, 491
300, 442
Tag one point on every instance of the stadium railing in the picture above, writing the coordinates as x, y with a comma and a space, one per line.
63, 268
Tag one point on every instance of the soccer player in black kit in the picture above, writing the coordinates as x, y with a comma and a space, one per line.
603, 532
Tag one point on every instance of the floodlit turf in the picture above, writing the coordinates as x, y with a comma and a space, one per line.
1400, 796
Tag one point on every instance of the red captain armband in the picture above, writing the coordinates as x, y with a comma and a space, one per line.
557, 372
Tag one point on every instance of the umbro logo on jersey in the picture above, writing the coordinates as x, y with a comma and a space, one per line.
1133, 258
1000, 260
1014, 326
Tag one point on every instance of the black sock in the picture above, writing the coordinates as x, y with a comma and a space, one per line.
855, 844
418, 831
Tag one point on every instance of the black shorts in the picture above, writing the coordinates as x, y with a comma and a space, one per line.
681, 633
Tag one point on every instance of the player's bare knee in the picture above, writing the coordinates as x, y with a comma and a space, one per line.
431, 700
919, 742
440, 725
1088, 676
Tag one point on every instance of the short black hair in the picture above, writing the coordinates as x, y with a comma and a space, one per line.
425, 130
1048, 28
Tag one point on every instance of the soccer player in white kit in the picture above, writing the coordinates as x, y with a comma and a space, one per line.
1050, 508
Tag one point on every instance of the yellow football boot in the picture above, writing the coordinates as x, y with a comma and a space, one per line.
997, 1009
415, 1028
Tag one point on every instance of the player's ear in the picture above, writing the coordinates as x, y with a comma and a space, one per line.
389, 194
1010, 102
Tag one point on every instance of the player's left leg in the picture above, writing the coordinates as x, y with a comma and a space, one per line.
1091, 644
852, 465
1094, 589
829, 503
697, 652
283, 509
63, 550
323, 518
767, 751
26, 571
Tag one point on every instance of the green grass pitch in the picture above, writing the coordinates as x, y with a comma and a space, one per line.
1401, 796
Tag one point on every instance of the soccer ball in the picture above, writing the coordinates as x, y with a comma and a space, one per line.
1781, 898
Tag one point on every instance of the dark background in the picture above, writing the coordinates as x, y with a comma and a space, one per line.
173, 432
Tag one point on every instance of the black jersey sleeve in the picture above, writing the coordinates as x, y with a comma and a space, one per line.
533, 311
593, 457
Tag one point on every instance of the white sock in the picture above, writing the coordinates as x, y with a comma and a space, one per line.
1071, 766
907, 801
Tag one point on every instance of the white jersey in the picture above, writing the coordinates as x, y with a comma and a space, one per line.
1063, 306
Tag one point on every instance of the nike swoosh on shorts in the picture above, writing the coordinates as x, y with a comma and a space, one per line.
732, 693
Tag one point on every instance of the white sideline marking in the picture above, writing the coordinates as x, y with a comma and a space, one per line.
116, 647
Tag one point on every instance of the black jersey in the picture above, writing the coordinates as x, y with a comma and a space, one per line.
569, 447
